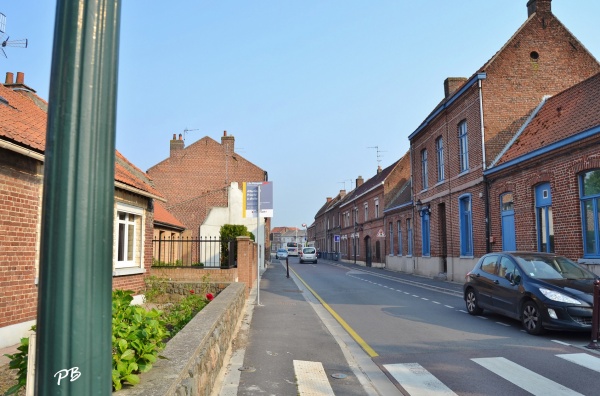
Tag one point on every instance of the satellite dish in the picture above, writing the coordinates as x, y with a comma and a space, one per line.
5, 40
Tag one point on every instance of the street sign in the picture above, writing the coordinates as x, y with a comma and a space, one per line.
250, 199
336, 238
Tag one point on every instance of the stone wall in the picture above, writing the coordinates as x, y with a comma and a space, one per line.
195, 356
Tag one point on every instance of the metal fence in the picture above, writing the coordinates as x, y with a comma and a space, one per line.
207, 252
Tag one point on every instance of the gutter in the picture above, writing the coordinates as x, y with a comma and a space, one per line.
21, 150
452, 99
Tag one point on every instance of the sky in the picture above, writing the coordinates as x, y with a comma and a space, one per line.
315, 92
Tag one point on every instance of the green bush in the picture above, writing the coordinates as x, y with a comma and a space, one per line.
138, 335
18, 361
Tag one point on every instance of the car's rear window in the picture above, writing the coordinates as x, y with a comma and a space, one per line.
308, 250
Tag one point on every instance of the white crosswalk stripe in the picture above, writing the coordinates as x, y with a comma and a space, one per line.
524, 378
312, 379
583, 359
417, 381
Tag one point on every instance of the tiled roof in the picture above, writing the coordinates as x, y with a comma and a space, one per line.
572, 111
378, 179
403, 196
23, 122
162, 215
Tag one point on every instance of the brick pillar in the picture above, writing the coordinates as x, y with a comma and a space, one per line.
246, 262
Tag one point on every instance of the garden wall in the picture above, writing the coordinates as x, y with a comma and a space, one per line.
195, 356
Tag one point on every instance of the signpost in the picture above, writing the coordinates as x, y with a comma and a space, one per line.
257, 202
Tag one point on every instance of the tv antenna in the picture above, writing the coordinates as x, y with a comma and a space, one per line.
5, 39
186, 130
378, 153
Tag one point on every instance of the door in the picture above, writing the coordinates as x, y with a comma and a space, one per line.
368, 253
507, 292
509, 240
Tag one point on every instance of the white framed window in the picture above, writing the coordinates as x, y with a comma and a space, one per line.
376, 208
366, 211
129, 230
424, 176
463, 147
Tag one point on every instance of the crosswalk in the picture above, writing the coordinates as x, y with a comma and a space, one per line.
417, 381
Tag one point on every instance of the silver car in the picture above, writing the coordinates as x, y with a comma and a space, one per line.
308, 254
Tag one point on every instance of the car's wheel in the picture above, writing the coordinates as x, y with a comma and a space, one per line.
471, 302
532, 318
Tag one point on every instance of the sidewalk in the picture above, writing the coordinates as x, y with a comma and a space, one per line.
290, 329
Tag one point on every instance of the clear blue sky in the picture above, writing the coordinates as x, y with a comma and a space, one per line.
305, 86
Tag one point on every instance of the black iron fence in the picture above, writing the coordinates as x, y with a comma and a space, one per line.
203, 252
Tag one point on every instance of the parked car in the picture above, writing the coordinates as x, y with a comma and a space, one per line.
542, 290
308, 254
281, 254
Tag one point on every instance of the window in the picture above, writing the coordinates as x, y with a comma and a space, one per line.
439, 148
129, 233
366, 211
376, 208
466, 226
399, 238
425, 233
391, 238
463, 146
590, 208
543, 217
424, 169
409, 235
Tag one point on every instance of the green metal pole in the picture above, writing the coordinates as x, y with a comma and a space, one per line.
73, 355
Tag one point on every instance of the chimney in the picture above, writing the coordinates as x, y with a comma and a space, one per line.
451, 84
342, 193
359, 181
539, 7
228, 143
19, 85
177, 145
329, 199
378, 169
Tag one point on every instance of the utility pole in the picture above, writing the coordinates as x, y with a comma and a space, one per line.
74, 324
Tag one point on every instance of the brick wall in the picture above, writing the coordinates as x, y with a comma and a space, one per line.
20, 200
561, 170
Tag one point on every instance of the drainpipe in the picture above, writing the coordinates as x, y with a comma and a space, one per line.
486, 201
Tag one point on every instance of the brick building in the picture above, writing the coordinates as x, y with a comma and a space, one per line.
352, 225
478, 117
22, 146
196, 178
545, 185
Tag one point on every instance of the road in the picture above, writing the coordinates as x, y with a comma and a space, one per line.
419, 334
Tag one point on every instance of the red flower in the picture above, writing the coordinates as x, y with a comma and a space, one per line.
192, 292
210, 297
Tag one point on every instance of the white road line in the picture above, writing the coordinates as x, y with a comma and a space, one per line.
583, 359
451, 307
503, 324
524, 378
312, 380
417, 381
561, 342
435, 302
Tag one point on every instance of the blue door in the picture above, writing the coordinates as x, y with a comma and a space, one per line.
509, 240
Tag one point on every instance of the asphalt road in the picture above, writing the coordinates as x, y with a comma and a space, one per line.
417, 331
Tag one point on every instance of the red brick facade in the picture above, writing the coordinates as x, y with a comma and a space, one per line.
195, 178
20, 200
542, 58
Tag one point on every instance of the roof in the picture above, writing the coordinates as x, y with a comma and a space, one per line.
403, 197
23, 120
163, 216
368, 185
571, 112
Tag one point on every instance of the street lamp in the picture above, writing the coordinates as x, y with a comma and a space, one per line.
423, 209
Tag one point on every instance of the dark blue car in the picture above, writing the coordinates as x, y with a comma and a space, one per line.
542, 290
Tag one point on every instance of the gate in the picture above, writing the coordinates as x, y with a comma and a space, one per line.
208, 252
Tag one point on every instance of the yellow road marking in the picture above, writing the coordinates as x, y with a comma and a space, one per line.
341, 321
